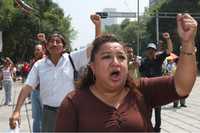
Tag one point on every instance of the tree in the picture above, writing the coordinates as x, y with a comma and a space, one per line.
20, 28
114, 29
127, 31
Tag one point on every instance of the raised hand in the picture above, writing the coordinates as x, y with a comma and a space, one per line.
96, 19
166, 35
41, 37
187, 28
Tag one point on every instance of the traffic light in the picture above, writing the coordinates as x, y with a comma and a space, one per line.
102, 14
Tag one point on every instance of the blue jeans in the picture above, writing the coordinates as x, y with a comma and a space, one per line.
36, 111
7, 85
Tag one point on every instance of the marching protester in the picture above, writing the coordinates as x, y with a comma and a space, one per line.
35, 95
170, 66
133, 62
25, 70
108, 101
6, 76
54, 74
151, 66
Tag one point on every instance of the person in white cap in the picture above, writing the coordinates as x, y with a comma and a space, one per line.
151, 66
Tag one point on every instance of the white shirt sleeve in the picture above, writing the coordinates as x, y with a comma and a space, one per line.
33, 78
80, 58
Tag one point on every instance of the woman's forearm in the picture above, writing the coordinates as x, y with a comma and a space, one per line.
186, 70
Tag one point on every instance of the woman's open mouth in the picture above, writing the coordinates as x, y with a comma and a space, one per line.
115, 75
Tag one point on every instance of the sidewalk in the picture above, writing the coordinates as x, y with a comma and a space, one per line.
5, 111
183, 120
178, 120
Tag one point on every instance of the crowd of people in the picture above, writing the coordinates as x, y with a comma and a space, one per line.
116, 90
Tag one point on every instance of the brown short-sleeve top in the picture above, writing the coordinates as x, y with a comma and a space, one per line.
82, 111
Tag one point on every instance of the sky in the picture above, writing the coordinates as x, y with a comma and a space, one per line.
80, 11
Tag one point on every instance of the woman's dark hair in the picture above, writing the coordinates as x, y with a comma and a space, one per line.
99, 41
89, 78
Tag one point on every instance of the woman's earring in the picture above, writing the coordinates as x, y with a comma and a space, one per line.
93, 77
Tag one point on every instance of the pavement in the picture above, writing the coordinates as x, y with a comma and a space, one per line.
183, 120
179, 120
6, 111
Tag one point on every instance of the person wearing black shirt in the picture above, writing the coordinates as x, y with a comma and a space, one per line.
151, 66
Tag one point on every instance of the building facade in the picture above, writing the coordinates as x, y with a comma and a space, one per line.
152, 2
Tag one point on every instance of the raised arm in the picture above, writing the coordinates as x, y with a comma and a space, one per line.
96, 20
166, 36
186, 72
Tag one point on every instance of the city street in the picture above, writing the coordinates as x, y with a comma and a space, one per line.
5, 111
173, 119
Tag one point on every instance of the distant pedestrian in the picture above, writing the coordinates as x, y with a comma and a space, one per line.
7, 77
171, 66
25, 70
35, 95
133, 62
151, 66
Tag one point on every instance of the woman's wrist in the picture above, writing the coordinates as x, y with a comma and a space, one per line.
188, 50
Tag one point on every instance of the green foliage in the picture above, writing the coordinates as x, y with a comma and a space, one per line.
125, 23
20, 29
127, 31
115, 29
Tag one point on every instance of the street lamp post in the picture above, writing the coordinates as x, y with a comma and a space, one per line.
157, 27
138, 33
